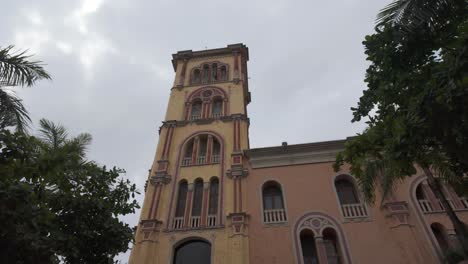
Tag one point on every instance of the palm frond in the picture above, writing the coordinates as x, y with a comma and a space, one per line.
79, 144
53, 135
411, 13
17, 70
12, 112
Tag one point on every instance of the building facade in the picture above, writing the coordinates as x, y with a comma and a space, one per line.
211, 199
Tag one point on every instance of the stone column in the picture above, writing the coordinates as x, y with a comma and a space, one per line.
204, 213
209, 149
196, 144
321, 250
188, 205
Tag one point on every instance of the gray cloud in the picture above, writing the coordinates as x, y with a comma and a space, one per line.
110, 62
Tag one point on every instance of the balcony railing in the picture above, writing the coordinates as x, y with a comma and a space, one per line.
449, 201
426, 206
178, 223
211, 220
201, 159
274, 216
195, 221
216, 115
195, 117
354, 210
215, 158
464, 201
187, 161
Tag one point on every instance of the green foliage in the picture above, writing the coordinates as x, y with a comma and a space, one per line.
417, 97
56, 204
16, 70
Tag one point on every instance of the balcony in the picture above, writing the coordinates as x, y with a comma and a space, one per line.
211, 220
356, 210
195, 221
201, 160
274, 216
427, 207
464, 201
178, 223
215, 158
187, 161
195, 117
216, 115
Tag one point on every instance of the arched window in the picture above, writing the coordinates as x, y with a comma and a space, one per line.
273, 206
196, 110
441, 235
213, 201
214, 72
419, 193
223, 73
206, 73
196, 76
217, 107
216, 156
180, 207
346, 191
309, 251
197, 203
193, 252
188, 153
348, 197
201, 157
332, 248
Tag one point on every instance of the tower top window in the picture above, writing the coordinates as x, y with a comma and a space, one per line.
209, 72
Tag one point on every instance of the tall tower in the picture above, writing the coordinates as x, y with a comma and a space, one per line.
194, 206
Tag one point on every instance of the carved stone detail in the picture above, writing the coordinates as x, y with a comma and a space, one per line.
316, 223
398, 212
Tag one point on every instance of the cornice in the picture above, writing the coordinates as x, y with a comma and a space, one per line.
286, 155
189, 54
205, 121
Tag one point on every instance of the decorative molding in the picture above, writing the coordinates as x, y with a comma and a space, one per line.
317, 222
398, 212
183, 123
294, 154
238, 223
160, 179
148, 227
237, 171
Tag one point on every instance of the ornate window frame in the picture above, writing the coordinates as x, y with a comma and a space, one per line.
317, 222
207, 95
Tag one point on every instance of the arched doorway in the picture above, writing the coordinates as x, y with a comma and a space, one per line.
193, 252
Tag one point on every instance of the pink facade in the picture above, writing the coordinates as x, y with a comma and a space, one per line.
317, 202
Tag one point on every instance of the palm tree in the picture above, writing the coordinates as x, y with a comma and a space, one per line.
16, 70
412, 14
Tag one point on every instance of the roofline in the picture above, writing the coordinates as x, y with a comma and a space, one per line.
296, 148
229, 49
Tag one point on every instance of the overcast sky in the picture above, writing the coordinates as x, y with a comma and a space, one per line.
112, 74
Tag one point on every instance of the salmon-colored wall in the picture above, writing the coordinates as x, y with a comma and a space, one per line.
310, 188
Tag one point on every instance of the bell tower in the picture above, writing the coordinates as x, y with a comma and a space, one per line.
194, 206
